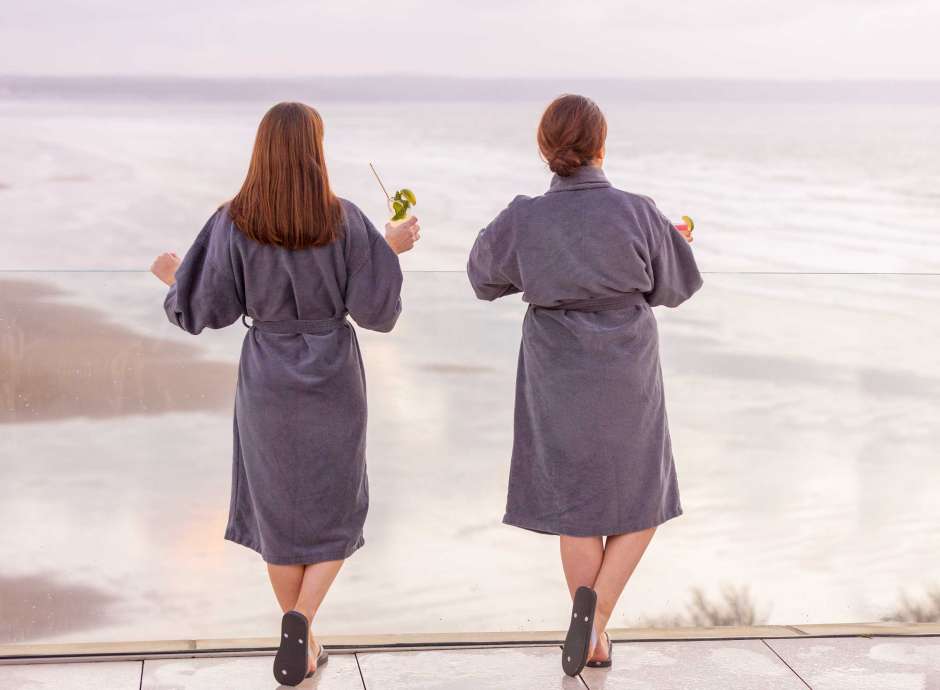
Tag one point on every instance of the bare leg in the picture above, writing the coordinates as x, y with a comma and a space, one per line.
581, 559
622, 553
317, 579
316, 583
302, 588
286, 580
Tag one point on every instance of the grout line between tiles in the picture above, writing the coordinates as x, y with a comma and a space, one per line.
140, 683
786, 663
359, 667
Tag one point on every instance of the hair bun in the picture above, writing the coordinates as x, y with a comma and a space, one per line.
564, 162
571, 133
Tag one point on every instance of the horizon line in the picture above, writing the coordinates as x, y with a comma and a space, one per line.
440, 88
421, 75
473, 78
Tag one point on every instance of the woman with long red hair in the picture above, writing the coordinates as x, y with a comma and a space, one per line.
295, 259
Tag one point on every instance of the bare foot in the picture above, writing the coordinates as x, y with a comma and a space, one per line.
312, 656
600, 649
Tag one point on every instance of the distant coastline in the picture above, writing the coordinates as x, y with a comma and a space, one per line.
388, 88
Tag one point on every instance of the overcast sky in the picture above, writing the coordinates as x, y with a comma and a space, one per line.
785, 39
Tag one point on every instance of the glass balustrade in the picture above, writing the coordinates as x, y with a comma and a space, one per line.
803, 411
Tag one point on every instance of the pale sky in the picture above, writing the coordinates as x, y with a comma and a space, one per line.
760, 39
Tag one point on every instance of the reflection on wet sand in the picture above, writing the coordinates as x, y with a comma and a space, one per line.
799, 370
450, 368
107, 370
33, 605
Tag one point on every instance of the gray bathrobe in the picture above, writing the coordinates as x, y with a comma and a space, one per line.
591, 451
299, 488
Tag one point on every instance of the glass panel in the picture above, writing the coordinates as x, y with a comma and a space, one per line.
803, 411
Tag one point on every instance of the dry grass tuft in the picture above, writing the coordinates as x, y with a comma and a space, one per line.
911, 610
734, 606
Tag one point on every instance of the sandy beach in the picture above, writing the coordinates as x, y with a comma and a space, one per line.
62, 361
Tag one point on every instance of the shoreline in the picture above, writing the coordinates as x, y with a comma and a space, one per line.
108, 371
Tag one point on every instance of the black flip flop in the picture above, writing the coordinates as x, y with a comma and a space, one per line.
609, 661
322, 658
578, 640
292, 660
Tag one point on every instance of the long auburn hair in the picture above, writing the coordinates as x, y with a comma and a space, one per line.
286, 198
571, 134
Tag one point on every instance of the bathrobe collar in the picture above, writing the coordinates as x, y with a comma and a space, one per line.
585, 177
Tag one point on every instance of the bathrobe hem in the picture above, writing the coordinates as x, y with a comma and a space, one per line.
542, 528
307, 557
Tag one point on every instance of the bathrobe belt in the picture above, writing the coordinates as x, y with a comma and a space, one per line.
290, 326
628, 299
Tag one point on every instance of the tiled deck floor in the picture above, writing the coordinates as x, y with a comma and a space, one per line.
834, 663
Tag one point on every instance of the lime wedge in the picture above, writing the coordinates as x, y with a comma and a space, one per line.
689, 222
409, 195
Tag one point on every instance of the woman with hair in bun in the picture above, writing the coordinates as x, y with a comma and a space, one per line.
592, 460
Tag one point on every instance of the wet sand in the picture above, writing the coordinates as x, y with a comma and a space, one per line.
107, 370
36, 610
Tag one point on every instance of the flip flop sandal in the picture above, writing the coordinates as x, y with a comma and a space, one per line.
609, 661
292, 658
322, 658
578, 640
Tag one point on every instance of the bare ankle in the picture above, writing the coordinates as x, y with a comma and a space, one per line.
601, 619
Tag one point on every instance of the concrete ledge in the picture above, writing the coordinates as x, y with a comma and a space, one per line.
868, 629
339, 644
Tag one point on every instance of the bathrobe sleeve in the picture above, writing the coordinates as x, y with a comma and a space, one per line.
205, 294
490, 267
373, 288
672, 269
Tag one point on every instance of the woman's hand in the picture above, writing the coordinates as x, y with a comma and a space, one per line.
164, 267
401, 238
